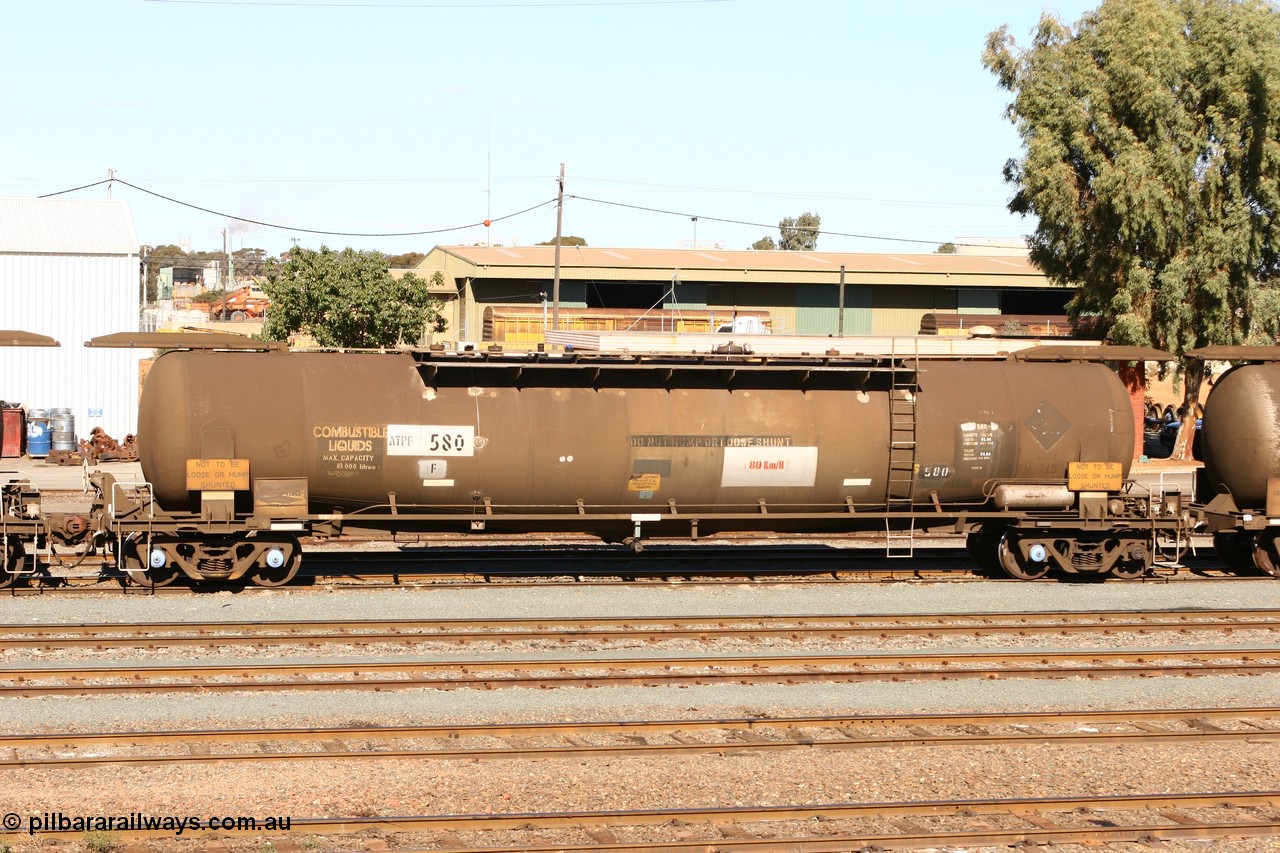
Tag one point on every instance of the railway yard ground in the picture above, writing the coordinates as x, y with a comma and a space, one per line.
783, 715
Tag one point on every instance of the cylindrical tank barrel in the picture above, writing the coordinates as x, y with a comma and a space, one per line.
39, 439
360, 426
63, 429
1240, 433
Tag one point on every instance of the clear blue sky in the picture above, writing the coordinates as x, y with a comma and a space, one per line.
380, 116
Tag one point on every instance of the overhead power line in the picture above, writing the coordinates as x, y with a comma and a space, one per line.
334, 233
314, 4
816, 231
682, 214
297, 229
76, 189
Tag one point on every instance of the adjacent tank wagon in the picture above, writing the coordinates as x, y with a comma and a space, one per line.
247, 451
1240, 444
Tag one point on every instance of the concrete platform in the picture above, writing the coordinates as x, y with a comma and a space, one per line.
64, 478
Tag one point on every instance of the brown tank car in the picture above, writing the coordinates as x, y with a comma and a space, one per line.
1239, 438
545, 436
1030, 457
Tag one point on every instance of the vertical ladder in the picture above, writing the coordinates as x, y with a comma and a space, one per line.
900, 484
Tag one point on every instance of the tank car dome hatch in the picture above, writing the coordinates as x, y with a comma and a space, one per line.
1110, 353
184, 340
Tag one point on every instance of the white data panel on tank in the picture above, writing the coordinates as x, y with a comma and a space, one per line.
425, 440
770, 466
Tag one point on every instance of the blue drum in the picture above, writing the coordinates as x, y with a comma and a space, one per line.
39, 438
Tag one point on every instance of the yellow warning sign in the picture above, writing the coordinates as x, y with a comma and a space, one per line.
1095, 476
644, 482
217, 475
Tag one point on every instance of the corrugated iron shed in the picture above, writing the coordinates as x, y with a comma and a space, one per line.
66, 226
69, 269
884, 293
746, 266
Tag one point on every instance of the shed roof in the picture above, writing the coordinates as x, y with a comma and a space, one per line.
745, 265
66, 226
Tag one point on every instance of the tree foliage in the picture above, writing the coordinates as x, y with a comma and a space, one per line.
1151, 159
405, 261
799, 234
347, 299
764, 244
945, 249
565, 240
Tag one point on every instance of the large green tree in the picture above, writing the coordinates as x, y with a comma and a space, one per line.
1151, 160
799, 234
347, 299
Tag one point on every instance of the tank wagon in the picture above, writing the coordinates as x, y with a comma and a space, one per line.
1028, 455
1239, 442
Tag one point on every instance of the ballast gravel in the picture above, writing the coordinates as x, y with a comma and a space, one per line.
391, 787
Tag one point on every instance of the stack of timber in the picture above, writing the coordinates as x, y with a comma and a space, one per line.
515, 324
1005, 325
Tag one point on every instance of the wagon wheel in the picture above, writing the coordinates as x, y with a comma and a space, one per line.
981, 546
280, 575
139, 572
1017, 565
1128, 570
1130, 567
1235, 550
1266, 555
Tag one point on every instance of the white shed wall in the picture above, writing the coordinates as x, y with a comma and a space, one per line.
72, 297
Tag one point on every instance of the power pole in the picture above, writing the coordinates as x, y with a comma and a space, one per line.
231, 265
840, 315
555, 282
111, 179
226, 252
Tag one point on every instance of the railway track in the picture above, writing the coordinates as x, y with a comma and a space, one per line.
488, 674
845, 826
475, 742
153, 635
334, 567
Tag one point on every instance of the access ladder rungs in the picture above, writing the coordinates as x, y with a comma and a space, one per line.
899, 543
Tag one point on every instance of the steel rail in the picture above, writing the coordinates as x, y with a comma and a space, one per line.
75, 740
736, 746
145, 640
640, 671
132, 634
732, 840
730, 815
